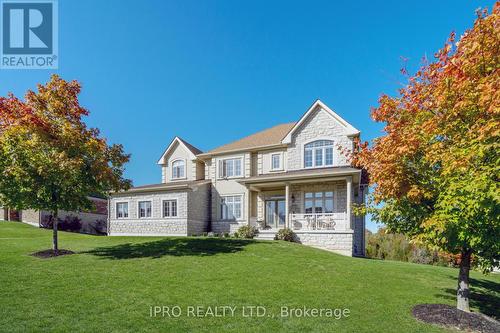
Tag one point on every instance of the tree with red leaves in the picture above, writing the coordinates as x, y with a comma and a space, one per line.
436, 171
49, 159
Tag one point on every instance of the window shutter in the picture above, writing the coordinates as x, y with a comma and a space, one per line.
221, 169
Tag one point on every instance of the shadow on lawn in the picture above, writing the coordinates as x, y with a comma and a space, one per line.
485, 295
171, 247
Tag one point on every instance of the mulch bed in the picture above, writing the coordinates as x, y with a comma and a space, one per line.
449, 316
50, 253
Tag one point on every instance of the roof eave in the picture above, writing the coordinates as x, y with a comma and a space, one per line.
192, 156
255, 180
240, 150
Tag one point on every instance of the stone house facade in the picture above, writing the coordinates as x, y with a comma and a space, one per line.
294, 175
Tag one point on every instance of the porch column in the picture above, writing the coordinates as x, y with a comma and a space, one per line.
349, 201
287, 205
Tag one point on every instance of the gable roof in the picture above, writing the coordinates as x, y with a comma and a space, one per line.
190, 147
268, 137
192, 150
350, 130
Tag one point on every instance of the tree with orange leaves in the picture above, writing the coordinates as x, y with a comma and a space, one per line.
49, 159
436, 170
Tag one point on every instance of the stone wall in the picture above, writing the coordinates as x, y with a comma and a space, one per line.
359, 228
199, 206
338, 242
156, 225
171, 227
320, 125
92, 223
227, 226
31, 216
193, 213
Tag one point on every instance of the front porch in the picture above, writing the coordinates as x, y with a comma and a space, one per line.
315, 204
321, 201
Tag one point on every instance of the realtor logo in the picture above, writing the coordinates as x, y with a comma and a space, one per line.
29, 34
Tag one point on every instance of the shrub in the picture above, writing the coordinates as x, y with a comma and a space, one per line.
246, 231
285, 234
226, 235
99, 227
386, 245
70, 223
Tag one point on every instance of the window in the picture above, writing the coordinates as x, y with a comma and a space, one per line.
276, 161
121, 210
230, 167
318, 153
178, 169
144, 209
170, 208
231, 207
318, 202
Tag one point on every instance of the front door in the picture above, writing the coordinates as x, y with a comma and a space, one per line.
275, 214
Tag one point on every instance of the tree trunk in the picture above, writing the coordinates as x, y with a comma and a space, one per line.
463, 281
55, 245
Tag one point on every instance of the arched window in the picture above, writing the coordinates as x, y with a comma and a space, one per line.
178, 169
318, 153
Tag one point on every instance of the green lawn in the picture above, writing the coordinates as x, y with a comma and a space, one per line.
112, 282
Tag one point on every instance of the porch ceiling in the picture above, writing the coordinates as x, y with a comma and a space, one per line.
302, 176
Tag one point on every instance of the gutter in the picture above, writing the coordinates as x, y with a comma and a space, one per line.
284, 177
161, 188
238, 150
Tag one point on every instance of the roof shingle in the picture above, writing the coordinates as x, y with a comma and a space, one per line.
270, 136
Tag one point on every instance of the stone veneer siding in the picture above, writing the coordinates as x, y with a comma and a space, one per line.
339, 242
193, 207
227, 226
199, 206
319, 125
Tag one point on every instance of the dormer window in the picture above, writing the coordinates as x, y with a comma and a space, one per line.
178, 169
318, 154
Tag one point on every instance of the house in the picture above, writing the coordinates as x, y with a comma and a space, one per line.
91, 222
291, 175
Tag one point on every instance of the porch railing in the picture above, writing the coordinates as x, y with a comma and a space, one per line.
321, 221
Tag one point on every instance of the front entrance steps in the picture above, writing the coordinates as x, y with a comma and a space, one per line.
266, 234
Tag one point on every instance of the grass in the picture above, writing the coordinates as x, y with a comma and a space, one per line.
112, 282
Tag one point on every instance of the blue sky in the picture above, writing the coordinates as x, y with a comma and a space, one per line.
214, 71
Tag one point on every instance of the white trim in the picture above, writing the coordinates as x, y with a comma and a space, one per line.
172, 169
192, 156
222, 159
281, 166
139, 210
116, 210
243, 210
303, 155
350, 130
176, 209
